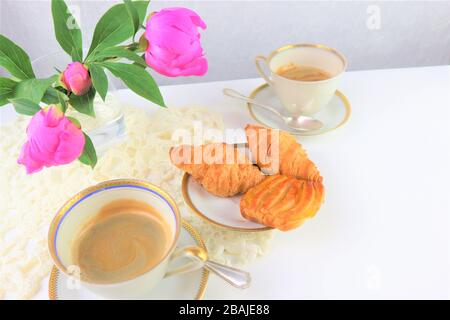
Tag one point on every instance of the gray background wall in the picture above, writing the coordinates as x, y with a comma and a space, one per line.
410, 33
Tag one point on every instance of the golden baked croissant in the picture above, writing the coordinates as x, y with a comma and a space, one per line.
279, 152
220, 168
282, 202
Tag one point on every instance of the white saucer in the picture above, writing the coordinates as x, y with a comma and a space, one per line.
334, 115
184, 286
222, 212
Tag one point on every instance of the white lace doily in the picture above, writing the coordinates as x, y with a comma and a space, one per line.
28, 203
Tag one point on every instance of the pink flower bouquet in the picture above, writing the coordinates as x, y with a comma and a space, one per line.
169, 44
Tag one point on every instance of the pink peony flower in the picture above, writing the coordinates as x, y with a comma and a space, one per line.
76, 78
52, 140
174, 47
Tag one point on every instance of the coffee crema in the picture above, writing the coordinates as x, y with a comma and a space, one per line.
123, 240
303, 73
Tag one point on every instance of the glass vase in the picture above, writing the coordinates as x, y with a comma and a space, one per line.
108, 125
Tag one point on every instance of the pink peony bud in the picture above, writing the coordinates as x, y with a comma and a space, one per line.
52, 140
76, 78
174, 47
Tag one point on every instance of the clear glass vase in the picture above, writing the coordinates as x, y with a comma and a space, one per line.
108, 125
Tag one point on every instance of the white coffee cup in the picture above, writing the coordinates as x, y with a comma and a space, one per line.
79, 209
303, 97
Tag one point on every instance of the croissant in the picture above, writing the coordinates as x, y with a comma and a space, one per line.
279, 152
282, 202
220, 168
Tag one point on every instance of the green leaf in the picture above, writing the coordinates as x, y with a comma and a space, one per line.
67, 31
25, 106
137, 79
134, 16
7, 87
54, 96
114, 26
118, 52
74, 121
85, 103
139, 64
89, 156
14, 59
141, 7
33, 89
50, 96
99, 79
62, 100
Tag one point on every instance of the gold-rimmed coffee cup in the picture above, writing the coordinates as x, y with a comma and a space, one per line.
74, 214
297, 96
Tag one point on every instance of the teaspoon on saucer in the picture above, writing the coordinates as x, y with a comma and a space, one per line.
236, 277
302, 123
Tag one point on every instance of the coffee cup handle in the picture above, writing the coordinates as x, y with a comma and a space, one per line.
197, 256
258, 60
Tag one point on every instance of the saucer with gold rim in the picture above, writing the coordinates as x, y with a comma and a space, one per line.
219, 211
333, 116
185, 286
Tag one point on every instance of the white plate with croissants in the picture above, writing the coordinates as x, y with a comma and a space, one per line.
270, 184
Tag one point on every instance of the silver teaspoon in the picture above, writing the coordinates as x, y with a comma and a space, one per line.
237, 278
302, 123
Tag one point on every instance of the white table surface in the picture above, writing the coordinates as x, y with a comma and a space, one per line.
384, 230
